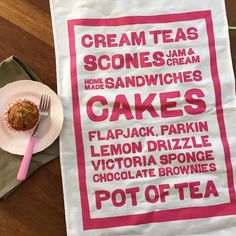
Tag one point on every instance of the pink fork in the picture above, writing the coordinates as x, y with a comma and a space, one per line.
44, 107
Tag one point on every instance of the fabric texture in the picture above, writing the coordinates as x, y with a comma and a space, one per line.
13, 69
148, 143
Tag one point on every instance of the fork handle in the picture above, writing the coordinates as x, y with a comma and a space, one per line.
26, 159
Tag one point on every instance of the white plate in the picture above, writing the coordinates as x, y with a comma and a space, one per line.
49, 129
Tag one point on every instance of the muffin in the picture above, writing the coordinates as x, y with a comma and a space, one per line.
22, 115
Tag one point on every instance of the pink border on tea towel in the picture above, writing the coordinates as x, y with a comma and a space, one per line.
162, 215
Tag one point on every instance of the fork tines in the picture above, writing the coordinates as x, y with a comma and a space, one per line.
44, 104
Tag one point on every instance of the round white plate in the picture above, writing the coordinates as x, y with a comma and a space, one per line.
16, 142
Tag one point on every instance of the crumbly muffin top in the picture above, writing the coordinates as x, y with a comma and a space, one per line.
23, 115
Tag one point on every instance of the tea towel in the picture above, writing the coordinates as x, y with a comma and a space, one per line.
148, 147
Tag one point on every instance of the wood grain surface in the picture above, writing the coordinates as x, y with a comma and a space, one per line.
36, 207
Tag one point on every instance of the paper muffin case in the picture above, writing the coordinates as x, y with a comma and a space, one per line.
6, 120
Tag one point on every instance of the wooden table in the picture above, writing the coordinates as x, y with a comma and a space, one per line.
36, 207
